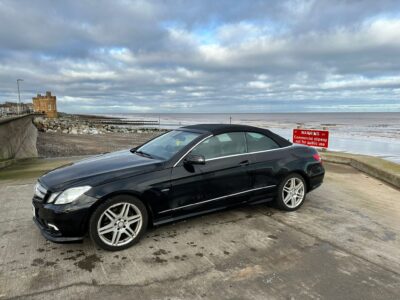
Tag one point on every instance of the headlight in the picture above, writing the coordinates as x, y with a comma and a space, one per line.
68, 195
52, 197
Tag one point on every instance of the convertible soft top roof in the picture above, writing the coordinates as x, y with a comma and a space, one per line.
223, 128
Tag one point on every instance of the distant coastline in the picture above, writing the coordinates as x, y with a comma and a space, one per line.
375, 134
370, 133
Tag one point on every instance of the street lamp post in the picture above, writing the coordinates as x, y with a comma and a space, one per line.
19, 96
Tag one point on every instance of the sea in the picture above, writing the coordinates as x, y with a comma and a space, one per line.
376, 134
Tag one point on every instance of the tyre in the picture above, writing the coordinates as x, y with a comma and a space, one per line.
291, 192
118, 223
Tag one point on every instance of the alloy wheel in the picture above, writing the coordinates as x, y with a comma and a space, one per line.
119, 224
293, 192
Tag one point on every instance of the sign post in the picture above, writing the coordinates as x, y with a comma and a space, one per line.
311, 137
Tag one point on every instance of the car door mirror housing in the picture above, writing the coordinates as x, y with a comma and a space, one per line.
194, 159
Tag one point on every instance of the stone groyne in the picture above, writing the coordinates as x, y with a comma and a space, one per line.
75, 124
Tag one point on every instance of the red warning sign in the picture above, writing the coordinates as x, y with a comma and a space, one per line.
310, 137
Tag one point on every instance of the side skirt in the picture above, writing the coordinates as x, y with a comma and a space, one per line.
209, 211
187, 216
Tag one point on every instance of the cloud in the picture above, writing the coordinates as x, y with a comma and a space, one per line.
258, 85
207, 56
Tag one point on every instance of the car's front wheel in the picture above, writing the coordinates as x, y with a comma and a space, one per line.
291, 192
118, 223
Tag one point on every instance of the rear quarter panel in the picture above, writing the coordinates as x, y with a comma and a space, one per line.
271, 167
268, 168
312, 170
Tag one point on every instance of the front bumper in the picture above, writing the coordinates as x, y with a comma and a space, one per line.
53, 235
63, 223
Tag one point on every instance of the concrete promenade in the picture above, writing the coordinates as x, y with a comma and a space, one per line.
343, 243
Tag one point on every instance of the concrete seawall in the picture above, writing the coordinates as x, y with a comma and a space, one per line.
17, 139
381, 169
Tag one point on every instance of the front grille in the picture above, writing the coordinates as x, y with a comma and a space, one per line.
40, 192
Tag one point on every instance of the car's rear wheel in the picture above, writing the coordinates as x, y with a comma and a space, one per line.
291, 192
118, 223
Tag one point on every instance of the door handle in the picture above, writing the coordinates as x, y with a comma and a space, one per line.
244, 163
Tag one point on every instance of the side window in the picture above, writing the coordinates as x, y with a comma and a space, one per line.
259, 142
222, 145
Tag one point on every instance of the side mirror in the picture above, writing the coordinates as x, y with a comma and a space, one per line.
193, 159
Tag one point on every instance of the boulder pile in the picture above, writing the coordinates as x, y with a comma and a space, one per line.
69, 125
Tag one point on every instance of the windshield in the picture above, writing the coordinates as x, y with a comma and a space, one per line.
167, 145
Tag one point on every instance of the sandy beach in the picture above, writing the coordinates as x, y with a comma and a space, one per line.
75, 135
60, 144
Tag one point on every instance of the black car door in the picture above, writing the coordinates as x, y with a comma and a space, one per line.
222, 181
266, 159
186, 187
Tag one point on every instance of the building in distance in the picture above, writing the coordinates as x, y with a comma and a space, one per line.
13, 108
45, 104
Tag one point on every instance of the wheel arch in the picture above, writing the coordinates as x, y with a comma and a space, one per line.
128, 193
303, 175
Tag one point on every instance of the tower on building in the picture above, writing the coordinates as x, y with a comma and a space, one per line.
45, 104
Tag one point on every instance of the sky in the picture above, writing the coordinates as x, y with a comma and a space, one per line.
203, 56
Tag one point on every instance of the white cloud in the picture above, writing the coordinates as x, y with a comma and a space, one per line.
259, 85
169, 92
151, 56
124, 55
362, 82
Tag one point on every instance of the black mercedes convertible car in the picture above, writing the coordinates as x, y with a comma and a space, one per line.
184, 172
